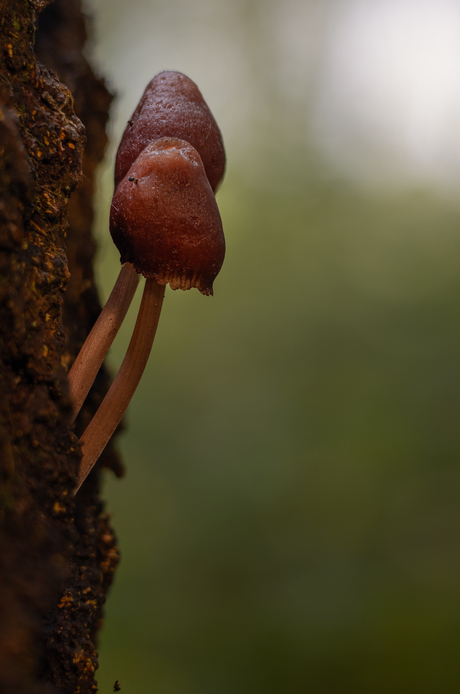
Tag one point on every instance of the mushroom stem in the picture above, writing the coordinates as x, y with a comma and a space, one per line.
97, 344
105, 421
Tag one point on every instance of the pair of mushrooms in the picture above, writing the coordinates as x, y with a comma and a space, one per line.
165, 222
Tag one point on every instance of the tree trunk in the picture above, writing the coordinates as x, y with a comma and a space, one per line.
57, 554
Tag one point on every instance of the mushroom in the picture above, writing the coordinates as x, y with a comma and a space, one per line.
166, 224
171, 106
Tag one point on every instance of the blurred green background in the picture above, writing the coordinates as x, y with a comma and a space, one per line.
289, 521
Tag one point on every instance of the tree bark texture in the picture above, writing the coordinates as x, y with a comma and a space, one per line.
57, 554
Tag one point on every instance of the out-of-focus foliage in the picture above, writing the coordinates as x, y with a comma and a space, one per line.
290, 520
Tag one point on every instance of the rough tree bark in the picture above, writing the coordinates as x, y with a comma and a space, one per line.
57, 556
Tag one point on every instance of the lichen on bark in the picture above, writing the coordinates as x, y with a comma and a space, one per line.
57, 554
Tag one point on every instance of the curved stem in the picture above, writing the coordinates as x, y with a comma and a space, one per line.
105, 421
88, 362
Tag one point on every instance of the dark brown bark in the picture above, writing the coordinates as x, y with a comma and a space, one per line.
57, 557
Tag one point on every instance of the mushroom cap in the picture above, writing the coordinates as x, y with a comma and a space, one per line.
164, 217
173, 106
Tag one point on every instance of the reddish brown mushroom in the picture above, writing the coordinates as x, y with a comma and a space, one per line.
173, 106
165, 222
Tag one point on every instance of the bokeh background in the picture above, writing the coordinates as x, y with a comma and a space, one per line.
290, 518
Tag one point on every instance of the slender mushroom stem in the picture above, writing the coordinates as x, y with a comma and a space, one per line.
103, 333
105, 421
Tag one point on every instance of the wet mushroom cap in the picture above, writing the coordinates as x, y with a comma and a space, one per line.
165, 220
173, 106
